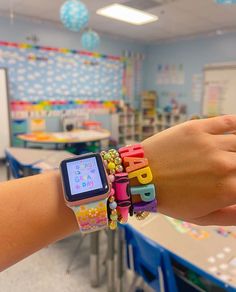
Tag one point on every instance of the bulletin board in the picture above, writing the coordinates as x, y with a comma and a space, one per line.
219, 95
4, 113
44, 73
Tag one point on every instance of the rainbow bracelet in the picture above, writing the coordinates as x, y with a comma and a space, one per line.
136, 165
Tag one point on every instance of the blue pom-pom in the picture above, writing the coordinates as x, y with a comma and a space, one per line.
74, 15
90, 40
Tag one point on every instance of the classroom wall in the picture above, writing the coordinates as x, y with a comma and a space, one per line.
56, 36
193, 54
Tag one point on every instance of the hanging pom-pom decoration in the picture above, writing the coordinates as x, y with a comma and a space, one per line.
90, 40
74, 15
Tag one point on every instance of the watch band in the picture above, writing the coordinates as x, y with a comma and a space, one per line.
92, 216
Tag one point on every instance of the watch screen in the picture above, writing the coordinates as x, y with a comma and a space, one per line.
84, 176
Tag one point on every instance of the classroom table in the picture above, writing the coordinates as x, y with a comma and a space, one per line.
210, 251
37, 158
61, 138
47, 160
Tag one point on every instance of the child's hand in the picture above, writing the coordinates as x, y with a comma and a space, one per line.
194, 169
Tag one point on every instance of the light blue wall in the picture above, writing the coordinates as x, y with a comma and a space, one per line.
193, 54
57, 36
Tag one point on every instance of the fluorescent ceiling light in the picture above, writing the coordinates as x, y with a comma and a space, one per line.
127, 14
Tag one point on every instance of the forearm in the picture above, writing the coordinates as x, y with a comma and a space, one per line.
33, 214
193, 166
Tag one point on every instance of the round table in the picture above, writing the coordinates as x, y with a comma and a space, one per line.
62, 138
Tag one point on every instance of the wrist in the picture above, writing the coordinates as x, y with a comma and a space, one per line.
62, 216
157, 167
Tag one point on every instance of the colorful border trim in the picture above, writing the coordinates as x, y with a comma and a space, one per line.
62, 50
47, 105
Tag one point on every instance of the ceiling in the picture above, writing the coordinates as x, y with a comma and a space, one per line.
177, 18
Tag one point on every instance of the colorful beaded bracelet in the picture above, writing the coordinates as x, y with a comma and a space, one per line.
132, 160
119, 202
138, 170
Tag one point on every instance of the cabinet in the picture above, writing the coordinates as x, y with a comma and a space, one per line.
148, 112
166, 120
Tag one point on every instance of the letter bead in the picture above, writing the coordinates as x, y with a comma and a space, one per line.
145, 207
133, 163
144, 175
131, 151
147, 192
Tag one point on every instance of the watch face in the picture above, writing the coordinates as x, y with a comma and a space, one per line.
84, 177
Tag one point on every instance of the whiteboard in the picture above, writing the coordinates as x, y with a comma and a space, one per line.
4, 113
219, 89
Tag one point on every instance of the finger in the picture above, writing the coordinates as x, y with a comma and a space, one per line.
219, 125
223, 217
226, 142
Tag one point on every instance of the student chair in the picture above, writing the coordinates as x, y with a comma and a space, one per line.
14, 167
16, 170
149, 261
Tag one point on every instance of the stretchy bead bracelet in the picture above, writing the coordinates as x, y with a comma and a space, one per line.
132, 160
119, 202
112, 161
112, 211
138, 170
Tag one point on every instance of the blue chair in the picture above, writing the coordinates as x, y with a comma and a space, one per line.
149, 260
16, 169
14, 166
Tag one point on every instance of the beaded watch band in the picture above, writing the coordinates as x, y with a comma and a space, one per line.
92, 216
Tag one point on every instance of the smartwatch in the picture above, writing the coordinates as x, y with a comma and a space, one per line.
86, 188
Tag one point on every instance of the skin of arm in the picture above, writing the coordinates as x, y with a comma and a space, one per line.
194, 168
33, 214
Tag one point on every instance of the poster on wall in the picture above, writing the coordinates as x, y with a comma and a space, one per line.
197, 80
132, 78
215, 94
170, 74
38, 73
219, 89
